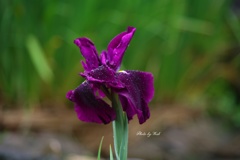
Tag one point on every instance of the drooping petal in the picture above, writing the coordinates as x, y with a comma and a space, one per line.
89, 52
139, 92
117, 47
90, 108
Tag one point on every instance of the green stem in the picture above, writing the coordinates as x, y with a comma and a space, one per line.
120, 129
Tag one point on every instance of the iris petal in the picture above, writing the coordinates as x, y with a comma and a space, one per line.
103, 75
89, 52
104, 58
90, 108
117, 47
139, 92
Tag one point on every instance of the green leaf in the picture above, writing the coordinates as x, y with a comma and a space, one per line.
124, 144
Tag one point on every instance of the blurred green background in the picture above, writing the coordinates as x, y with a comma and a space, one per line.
191, 47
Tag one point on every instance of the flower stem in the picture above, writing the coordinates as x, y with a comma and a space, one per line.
120, 130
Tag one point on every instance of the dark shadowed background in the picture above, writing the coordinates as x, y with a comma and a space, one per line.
191, 47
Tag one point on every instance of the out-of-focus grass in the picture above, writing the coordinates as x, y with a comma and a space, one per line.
185, 44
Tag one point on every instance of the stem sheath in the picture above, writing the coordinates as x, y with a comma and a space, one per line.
120, 129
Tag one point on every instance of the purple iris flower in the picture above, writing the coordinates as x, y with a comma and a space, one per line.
134, 88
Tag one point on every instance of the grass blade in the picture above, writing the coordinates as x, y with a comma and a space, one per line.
111, 154
39, 61
99, 149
